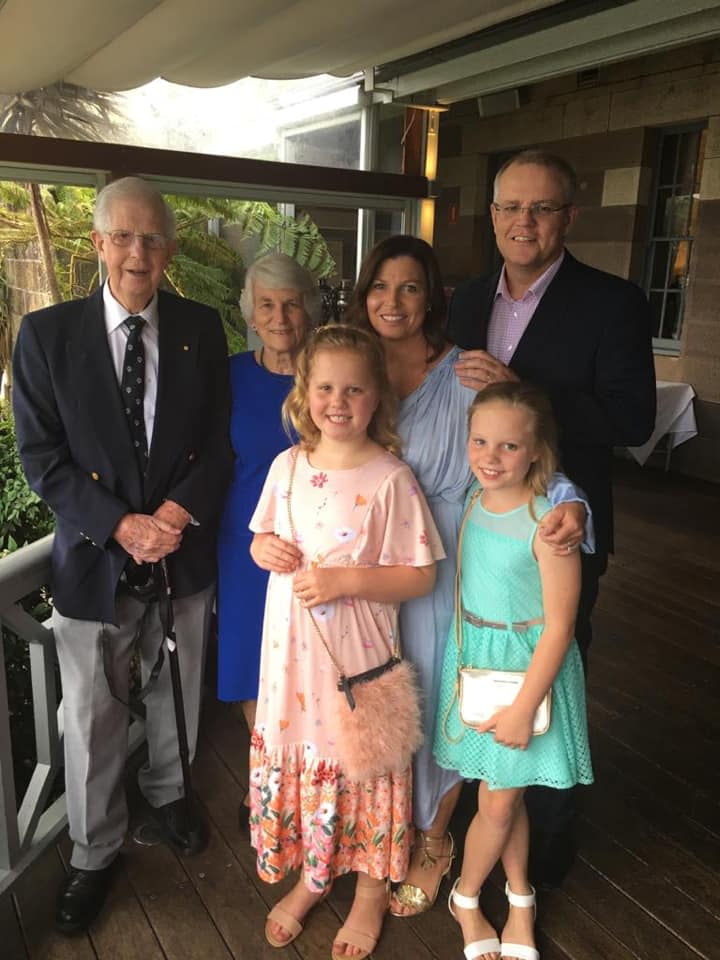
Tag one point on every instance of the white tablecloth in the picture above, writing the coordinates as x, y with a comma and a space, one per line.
675, 416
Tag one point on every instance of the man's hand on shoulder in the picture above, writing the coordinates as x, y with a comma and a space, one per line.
477, 368
147, 538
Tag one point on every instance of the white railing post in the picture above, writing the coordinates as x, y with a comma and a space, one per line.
21, 573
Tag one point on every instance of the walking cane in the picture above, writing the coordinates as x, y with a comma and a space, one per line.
167, 621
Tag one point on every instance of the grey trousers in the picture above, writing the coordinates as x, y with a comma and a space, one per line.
96, 724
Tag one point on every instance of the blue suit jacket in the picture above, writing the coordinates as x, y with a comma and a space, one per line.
589, 346
76, 450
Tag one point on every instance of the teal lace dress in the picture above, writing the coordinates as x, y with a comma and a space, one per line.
501, 583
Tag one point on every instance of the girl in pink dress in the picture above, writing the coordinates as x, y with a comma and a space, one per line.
357, 540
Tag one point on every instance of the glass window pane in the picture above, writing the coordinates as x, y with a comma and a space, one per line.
679, 265
661, 252
667, 160
656, 309
662, 208
678, 215
687, 160
671, 317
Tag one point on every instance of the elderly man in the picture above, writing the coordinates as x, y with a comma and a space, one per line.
583, 335
121, 407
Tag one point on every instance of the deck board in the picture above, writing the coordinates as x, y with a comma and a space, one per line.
647, 880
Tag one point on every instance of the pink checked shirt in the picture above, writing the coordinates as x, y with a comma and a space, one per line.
509, 318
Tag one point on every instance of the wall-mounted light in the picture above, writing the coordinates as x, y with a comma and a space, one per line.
432, 136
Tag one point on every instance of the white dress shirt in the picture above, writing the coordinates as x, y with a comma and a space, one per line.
117, 334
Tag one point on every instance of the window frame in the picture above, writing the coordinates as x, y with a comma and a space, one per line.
671, 346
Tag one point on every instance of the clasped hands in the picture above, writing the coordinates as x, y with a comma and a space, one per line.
148, 538
311, 587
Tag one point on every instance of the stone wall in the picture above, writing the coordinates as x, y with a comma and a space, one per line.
609, 131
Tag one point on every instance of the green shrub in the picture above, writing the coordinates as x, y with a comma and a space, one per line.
23, 516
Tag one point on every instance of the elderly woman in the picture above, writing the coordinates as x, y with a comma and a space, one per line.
399, 295
281, 303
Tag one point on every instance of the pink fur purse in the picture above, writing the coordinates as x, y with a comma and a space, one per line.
379, 720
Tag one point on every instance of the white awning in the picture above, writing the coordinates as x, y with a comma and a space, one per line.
123, 44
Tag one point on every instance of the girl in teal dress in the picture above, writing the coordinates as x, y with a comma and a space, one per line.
516, 612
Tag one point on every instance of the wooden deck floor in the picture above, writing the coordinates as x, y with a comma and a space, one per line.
647, 882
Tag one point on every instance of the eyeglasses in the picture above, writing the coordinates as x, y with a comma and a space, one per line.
150, 241
538, 211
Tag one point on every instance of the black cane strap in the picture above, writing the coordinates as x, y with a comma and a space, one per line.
136, 701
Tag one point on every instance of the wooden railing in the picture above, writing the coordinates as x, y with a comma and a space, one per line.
26, 829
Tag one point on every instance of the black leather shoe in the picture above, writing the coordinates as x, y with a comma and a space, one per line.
81, 896
185, 834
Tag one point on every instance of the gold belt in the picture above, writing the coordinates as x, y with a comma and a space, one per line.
520, 626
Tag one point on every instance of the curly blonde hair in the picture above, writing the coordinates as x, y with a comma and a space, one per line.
537, 404
336, 336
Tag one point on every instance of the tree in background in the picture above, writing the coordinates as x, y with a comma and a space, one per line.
206, 267
58, 110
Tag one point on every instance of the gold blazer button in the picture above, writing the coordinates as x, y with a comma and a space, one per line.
95, 476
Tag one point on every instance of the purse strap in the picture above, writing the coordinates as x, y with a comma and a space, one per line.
458, 573
458, 616
343, 680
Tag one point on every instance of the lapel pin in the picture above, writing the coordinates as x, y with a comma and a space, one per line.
186, 346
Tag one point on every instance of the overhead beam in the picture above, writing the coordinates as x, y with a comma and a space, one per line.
620, 33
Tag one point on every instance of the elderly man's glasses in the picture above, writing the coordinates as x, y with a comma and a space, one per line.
538, 211
150, 241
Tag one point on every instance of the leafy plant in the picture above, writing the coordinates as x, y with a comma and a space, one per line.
23, 516
298, 237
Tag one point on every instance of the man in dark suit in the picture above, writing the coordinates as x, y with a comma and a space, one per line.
585, 337
121, 408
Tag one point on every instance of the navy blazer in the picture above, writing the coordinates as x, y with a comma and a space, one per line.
76, 450
589, 346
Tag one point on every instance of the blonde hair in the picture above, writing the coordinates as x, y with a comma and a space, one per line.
537, 404
336, 336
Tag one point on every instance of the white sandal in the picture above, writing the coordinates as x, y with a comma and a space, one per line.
520, 951
477, 948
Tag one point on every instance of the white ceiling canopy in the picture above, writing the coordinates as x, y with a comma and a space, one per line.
123, 44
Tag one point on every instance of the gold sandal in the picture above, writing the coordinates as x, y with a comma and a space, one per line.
407, 894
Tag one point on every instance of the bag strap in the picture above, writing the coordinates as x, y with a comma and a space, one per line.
293, 532
458, 618
343, 679
458, 574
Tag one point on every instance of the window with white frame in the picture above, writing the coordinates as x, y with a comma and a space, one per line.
673, 219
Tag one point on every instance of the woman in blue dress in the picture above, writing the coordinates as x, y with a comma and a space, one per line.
281, 303
399, 295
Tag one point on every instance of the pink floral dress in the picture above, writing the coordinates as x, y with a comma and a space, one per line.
304, 813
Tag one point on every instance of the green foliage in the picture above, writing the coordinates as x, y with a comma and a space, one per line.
23, 516
205, 268
298, 237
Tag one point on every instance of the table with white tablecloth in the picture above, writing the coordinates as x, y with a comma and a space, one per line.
675, 419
